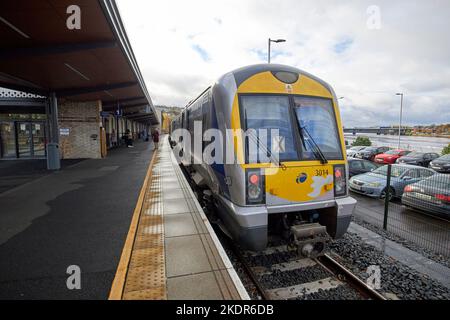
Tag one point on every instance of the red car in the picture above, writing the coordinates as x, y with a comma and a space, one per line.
390, 156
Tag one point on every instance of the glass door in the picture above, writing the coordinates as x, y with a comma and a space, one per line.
24, 139
7, 140
38, 135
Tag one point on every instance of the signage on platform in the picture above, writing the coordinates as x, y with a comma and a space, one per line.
64, 131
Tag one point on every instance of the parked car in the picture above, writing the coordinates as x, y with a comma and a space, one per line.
418, 158
351, 152
390, 156
369, 153
430, 195
373, 184
441, 164
359, 166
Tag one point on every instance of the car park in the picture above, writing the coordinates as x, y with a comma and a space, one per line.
418, 158
359, 166
441, 164
351, 152
431, 195
390, 156
369, 153
373, 184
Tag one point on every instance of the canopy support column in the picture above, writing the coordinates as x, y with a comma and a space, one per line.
53, 156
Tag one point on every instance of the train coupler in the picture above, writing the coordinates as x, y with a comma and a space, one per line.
309, 239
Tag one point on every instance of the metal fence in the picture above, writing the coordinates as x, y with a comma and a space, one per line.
413, 209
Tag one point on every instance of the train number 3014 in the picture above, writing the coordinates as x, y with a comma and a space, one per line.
322, 172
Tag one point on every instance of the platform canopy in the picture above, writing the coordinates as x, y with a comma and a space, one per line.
39, 54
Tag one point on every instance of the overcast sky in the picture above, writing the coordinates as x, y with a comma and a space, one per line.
182, 46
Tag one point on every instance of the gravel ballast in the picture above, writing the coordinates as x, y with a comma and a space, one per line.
406, 243
396, 278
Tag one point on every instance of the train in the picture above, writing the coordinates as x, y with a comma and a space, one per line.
300, 196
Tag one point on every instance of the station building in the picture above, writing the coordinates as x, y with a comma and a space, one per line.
68, 92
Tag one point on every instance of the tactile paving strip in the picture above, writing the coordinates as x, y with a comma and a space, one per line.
146, 276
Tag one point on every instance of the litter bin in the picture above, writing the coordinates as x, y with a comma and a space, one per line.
53, 161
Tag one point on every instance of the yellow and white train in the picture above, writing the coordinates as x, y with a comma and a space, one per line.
303, 193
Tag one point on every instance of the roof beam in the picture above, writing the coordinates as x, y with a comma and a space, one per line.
22, 102
138, 115
124, 107
134, 105
17, 87
114, 103
84, 90
22, 109
14, 53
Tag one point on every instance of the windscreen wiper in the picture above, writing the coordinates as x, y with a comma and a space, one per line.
316, 150
264, 147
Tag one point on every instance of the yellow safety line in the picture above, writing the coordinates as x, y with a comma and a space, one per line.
122, 269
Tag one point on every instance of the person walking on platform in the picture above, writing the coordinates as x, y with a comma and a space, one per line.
113, 138
128, 138
155, 138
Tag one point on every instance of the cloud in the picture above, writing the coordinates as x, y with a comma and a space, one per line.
202, 52
343, 45
183, 46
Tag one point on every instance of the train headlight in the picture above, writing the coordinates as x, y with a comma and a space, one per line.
255, 186
340, 181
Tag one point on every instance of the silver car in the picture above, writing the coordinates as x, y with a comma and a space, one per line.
351, 152
430, 195
373, 184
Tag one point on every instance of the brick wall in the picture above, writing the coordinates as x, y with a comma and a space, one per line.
82, 119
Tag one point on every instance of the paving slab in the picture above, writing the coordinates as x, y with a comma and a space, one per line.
185, 255
176, 225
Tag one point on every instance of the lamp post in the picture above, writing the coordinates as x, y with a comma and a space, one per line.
276, 41
401, 112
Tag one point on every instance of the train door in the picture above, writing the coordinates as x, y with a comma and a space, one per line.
183, 125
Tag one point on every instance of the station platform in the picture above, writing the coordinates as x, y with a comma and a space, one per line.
77, 216
171, 251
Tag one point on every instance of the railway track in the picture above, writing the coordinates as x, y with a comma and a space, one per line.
279, 274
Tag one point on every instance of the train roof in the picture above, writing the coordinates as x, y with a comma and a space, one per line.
243, 73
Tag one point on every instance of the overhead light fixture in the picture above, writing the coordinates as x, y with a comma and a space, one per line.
76, 71
9, 24
108, 93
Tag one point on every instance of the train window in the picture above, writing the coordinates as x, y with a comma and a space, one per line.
268, 112
317, 116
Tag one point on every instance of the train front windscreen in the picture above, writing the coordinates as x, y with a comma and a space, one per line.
314, 123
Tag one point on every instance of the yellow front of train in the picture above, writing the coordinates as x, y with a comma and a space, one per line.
290, 146
310, 150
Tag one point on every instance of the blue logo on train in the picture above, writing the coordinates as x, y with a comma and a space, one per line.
302, 177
